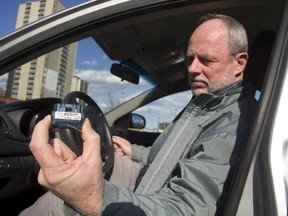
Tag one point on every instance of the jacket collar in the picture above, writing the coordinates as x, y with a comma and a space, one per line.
209, 100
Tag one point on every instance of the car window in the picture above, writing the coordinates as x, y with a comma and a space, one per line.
111, 92
161, 112
90, 74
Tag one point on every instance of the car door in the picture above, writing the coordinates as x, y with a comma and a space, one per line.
260, 183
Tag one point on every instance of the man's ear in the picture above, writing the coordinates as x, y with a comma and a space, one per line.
240, 63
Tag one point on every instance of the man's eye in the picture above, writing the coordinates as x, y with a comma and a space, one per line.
189, 60
205, 61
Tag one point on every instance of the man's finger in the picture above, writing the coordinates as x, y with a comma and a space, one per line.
39, 145
63, 151
91, 141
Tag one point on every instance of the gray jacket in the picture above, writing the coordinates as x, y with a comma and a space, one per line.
200, 182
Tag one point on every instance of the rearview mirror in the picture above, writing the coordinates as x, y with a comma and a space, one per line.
124, 73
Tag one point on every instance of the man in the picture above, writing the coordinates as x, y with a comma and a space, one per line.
199, 183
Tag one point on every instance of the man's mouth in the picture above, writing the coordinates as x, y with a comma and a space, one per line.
198, 84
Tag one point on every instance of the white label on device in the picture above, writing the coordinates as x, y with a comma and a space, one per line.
68, 115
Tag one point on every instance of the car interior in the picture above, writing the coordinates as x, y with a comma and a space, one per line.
152, 44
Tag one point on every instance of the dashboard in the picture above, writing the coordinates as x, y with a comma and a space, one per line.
18, 168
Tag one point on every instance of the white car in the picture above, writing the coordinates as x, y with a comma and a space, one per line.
146, 44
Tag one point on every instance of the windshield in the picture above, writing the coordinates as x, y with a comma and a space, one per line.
109, 91
91, 74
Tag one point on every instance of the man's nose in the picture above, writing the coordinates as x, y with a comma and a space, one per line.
194, 66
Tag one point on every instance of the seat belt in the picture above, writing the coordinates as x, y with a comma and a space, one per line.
177, 141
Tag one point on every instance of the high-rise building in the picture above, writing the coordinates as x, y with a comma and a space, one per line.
49, 75
79, 85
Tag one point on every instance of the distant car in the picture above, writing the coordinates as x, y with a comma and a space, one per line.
146, 43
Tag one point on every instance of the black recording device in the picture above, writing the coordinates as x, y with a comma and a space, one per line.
64, 118
67, 116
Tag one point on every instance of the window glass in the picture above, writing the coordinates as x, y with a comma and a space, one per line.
109, 91
90, 74
160, 113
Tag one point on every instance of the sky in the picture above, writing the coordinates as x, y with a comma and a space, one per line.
9, 10
92, 65
87, 60
8, 16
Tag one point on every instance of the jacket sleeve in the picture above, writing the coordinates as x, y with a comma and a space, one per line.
140, 153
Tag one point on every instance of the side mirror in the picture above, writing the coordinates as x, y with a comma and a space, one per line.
131, 120
124, 73
137, 121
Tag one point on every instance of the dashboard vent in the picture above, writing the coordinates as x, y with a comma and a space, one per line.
4, 128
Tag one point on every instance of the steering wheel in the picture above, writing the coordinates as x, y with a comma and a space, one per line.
98, 121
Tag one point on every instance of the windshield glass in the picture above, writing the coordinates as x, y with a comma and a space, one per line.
109, 91
90, 74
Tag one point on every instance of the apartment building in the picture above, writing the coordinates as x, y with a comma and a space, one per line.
49, 75
79, 85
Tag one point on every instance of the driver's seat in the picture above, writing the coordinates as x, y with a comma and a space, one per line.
259, 55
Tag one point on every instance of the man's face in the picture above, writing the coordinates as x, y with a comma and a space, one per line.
210, 66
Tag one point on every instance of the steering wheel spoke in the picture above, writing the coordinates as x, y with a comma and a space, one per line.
98, 121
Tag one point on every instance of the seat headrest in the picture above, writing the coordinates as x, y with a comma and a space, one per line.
259, 55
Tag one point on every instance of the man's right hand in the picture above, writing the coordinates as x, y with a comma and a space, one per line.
76, 180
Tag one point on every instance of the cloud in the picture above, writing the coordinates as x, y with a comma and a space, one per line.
168, 107
92, 62
108, 90
99, 79
103, 78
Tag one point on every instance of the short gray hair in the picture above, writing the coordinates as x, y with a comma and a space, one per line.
237, 34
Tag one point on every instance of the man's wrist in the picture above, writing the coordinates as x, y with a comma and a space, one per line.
70, 211
90, 204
